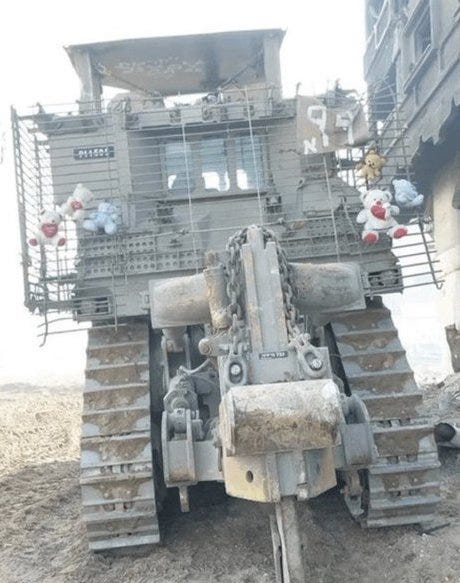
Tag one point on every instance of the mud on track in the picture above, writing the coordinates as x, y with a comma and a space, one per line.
42, 538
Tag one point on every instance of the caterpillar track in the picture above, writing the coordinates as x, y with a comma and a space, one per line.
118, 491
403, 483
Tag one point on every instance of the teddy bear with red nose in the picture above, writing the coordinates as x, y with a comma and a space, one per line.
75, 205
49, 230
378, 216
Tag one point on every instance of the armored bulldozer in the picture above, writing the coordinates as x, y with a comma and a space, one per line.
236, 331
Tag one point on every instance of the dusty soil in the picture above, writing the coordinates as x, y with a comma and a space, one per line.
42, 538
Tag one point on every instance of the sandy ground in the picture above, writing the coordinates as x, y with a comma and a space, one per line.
42, 538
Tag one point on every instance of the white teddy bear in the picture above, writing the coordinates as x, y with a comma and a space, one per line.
378, 216
49, 230
75, 205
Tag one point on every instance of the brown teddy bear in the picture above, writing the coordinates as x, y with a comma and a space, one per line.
371, 167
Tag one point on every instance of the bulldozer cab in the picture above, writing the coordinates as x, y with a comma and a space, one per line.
179, 65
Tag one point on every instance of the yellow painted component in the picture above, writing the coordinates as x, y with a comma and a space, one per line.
256, 477
247, 477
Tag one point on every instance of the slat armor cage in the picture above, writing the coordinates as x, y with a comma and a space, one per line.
184, 177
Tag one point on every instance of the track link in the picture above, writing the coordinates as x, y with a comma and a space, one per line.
118, 491
403, 483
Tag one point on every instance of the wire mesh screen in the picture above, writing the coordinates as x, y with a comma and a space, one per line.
179, 179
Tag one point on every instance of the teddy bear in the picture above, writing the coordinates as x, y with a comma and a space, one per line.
371, 167
49, 230
406, 194
104, 220
378, 216
75, 205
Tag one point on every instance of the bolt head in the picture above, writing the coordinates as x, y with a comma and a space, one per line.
204, 346
235, 369
316, 364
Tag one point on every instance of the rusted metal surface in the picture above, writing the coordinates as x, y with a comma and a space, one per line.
403, 482
118, 493
300, 415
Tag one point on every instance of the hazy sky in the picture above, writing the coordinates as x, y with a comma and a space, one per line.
325, 37
324, 41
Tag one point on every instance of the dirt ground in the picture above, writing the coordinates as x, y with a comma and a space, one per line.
42, 538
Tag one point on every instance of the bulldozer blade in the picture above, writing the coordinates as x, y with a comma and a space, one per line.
287, 546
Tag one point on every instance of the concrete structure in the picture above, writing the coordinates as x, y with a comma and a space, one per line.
413, 57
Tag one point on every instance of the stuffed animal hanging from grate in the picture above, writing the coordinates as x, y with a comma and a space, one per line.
370, 168
406, 195
75, 206
378, 216
105, 220
49, 230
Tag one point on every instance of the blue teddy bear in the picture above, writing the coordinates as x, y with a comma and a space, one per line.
406, 194
106, 218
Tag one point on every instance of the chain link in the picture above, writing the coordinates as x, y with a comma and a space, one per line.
234, 310
234, 280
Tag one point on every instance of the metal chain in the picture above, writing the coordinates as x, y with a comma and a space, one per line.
234, 310
233, 269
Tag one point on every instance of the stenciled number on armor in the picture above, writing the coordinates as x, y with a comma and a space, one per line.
93, 152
